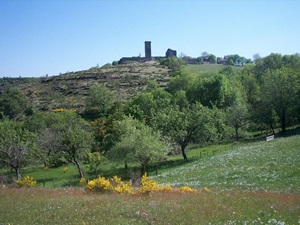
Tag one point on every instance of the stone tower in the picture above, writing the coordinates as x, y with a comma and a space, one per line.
148, 49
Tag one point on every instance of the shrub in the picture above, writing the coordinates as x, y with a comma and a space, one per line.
187, 189
115, 184
26, 182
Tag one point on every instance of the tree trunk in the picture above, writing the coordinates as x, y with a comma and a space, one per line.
18, 173
143, 170
183, 153
79, 168
237, 134
283, 122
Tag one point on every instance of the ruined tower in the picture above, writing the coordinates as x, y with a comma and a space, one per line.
148, 49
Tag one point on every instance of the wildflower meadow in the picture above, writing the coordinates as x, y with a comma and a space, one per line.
254, 183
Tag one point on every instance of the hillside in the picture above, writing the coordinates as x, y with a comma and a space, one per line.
70, 89
259, 166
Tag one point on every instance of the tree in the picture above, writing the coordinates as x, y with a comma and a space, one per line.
256, 57
281, 90
12, 102
17, 146
95, 159
77, 140
174, 64
200, 59
138, 143
63, 137
212, 58
181, 80
100, 101
215, 90
146, 105
196, 123
237, 116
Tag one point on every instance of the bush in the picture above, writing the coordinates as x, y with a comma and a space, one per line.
26, 182
115, 184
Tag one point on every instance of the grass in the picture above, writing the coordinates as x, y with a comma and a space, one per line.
75, 206
207, 68
263, 166
249, 183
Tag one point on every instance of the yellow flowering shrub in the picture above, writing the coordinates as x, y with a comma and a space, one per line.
26, 182
65, 169
187, 189
148, 185
83, 181
58, 110
120, 186
115, 184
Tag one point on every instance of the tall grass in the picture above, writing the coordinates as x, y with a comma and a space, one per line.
75, 206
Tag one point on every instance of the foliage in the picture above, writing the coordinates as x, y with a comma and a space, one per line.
26, 182
12, 103
195, 123
146, 105
94, 160
181, 80
100, 101
138, 143
173, 63
237, 116
17, 146
63, 137
115, 184
281, 93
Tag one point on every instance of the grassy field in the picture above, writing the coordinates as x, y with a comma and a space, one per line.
75, 206
262, 166
254, 183
207, 68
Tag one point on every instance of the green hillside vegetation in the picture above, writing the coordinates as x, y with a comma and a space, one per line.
70, 89
200, 126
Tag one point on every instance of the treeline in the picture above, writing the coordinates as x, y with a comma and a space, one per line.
201, 109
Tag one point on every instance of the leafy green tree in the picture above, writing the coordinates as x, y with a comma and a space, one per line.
181, 80
17, 146
77, 140
138, 143
267, 64
212, 58
12, 102
174, 63
281, 90
196, 123
100, 101
145, 106
63, 137
216, 90
237, 116
200, 59
95, 159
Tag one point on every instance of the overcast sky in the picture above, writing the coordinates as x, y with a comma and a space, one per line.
56, 36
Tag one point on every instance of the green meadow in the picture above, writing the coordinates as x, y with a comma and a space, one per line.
245, 183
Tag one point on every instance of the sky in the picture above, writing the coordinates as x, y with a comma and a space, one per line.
49, 37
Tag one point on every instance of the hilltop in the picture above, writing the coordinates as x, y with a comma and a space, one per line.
70, 89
